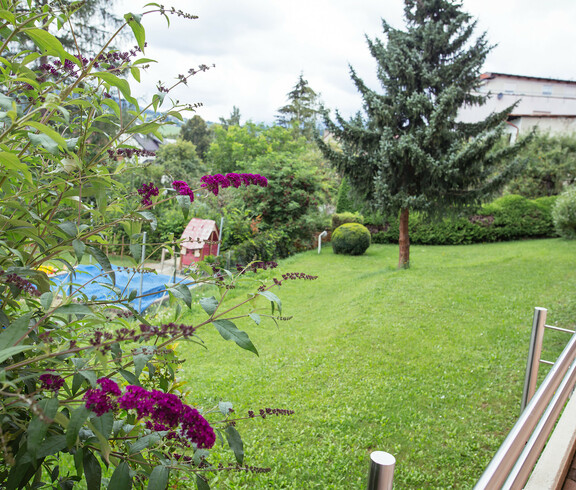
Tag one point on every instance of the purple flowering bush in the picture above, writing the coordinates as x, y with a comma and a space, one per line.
89, 386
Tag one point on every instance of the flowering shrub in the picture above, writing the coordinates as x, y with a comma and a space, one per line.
88, 386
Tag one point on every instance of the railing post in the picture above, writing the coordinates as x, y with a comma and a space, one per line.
381, 475
534, 354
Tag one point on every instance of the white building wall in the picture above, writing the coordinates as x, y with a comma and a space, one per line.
534, 96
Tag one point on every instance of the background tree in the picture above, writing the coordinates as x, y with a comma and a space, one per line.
410, 152
196, 131
89, 24
550, 166
301, 113
235, 145
233, 120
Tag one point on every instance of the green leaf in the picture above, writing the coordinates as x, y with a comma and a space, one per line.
7, 15
141, 61
92, 470
225, 407
12, 351
235, 443
229, 331
135, 73
89, 376
71, 143
71, 229
201, 484
113, 105
15, 331
46, 300
10, 161
103, 424
209, 305
38, 427
255, 317
103, 260
273, 298
74, 309
120, 83
159, 478
147, 215
44, 141
158, 100
144, 443
144, 128
6, 103
184, 202
137, 28
48, 44
181, 291
79, 249
49, 446
77, 419
121, 479
130, 377
48, 131
141, 356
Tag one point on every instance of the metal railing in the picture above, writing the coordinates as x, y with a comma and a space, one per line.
514, 461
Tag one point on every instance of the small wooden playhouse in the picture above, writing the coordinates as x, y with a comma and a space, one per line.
199, 239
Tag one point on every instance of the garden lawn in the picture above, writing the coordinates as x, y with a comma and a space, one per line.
425, 363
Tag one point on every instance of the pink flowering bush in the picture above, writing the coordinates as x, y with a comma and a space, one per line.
89, 387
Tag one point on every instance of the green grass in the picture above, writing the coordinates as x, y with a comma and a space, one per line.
425, 363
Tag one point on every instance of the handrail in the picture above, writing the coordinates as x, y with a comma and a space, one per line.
513, 462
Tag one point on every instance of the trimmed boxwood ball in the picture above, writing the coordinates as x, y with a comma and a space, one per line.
350, 239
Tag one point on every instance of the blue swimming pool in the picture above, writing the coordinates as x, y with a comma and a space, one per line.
92, 282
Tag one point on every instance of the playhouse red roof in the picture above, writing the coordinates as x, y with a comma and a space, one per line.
197, 232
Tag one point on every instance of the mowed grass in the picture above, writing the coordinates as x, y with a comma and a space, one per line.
425, 363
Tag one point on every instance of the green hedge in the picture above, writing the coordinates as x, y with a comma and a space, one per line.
510, 217
338, 219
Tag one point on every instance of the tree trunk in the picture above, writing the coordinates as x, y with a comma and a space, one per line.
404, 239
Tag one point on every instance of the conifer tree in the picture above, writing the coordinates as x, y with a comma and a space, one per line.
409, 151
302, 110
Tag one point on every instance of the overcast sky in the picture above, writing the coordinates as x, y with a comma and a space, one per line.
260, 47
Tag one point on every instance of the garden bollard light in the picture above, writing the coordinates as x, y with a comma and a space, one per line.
324, 233
381, 475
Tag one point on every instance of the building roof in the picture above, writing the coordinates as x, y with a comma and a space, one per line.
197, 232
491, 75
543, 115
148, 142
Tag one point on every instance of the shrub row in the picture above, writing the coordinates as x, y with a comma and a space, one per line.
510, 217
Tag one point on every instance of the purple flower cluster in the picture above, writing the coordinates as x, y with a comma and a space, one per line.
103, 340
183, 189
254, 266
213, 183
51, 382
167, 330
130, 152
270, 411
22, 284
58, 69
99, 400
147, 191
294, 276
167, 410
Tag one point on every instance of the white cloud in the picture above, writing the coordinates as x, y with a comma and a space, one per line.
260, 47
